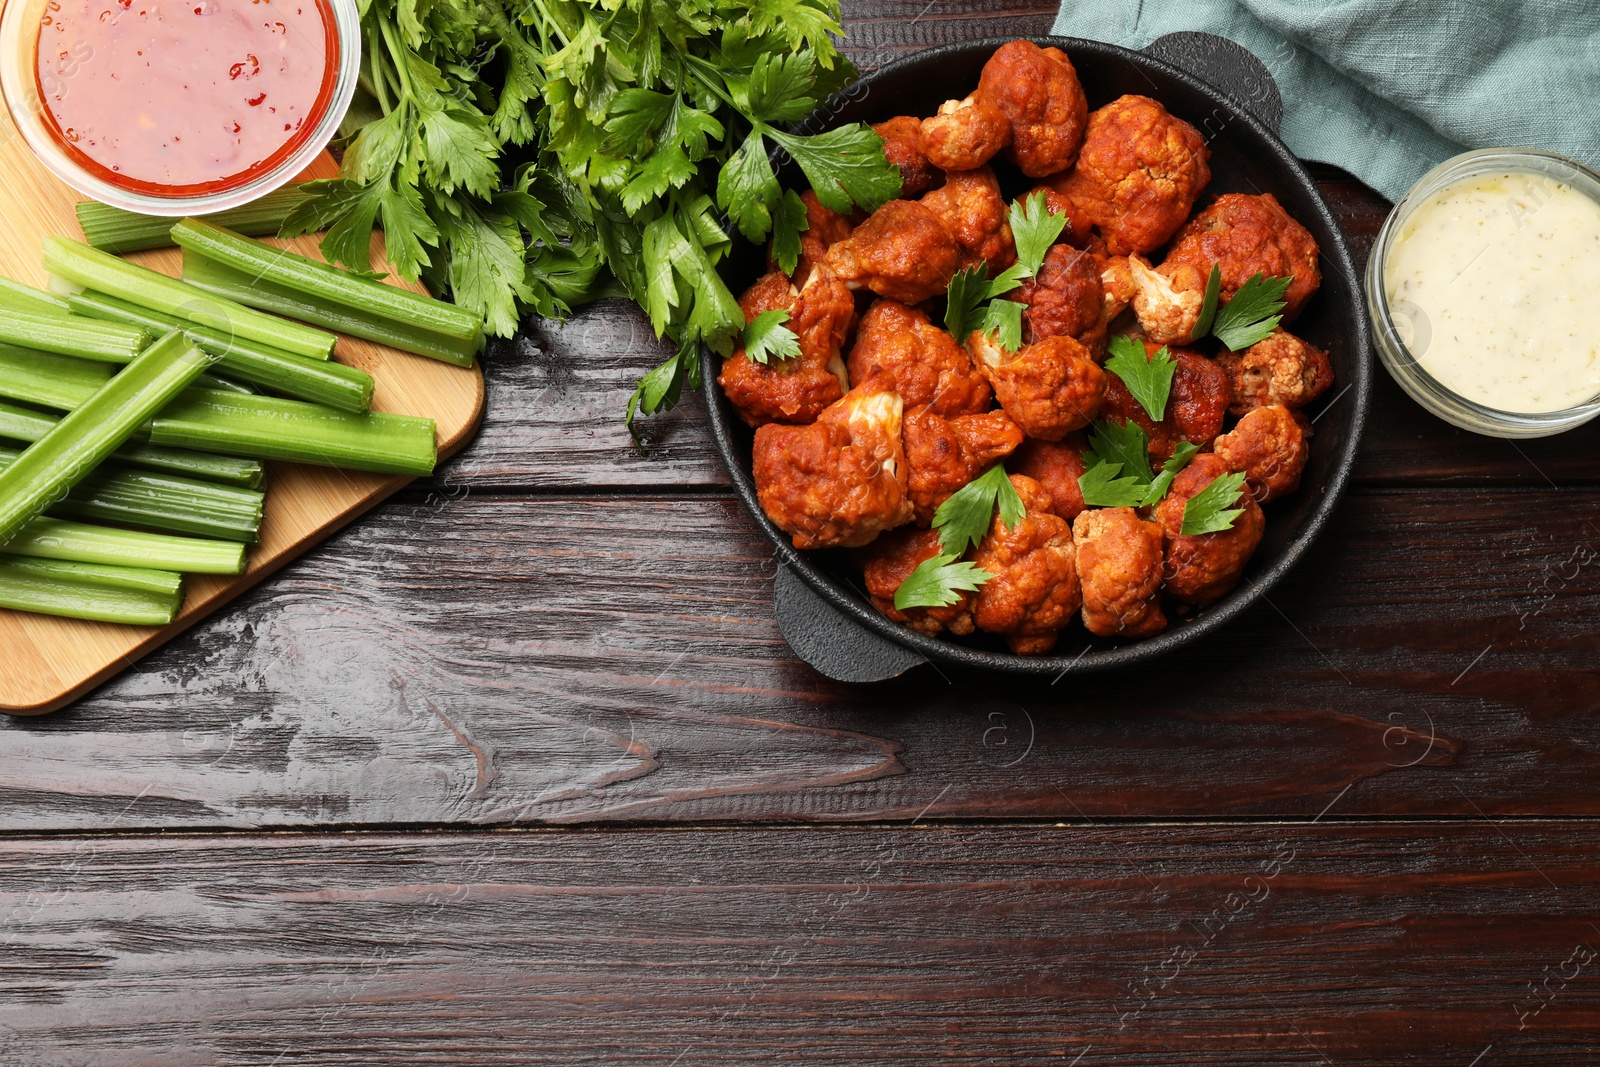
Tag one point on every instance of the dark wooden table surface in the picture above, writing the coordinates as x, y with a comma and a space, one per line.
519, 770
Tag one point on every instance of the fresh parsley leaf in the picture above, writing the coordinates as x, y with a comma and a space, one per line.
1148, 379
938, 582
846, 166
1123, 443
1212, 510
767, 336
963, 519
1003, 319
1169, 470
1208, 306
788, 223
779, 87
1252, 314
1104, 486
970, 288
1035, 228
748, 190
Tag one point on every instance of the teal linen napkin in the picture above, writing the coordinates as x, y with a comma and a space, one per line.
1387, 90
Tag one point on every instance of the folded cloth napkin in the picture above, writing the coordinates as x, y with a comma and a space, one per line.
1387, 90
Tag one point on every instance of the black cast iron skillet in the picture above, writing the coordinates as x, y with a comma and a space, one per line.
822, 607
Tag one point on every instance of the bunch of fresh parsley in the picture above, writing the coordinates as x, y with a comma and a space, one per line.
537, 154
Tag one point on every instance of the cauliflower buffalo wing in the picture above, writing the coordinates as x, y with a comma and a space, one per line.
1034, 591
1246, 235
1195, 406
1269, 446
1049, 388
1057, 466
1203, 568
903, 145
1119, 573
1168, 308
903, 252
1037, 90
964, 135
1138, 174
971, 207
1065, 299
795, 389
1278, 369
889, 560
841, 481
942, 455
928, 368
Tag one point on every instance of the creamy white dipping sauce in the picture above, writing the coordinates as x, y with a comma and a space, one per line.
1494, 286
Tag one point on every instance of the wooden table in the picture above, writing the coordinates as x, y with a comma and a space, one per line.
519, 770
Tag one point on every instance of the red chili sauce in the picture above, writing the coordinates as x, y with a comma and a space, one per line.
185, 97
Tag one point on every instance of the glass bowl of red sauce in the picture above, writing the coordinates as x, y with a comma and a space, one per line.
178, 107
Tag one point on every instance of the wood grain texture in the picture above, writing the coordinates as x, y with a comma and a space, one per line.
48, 661
1275, 945
491, 659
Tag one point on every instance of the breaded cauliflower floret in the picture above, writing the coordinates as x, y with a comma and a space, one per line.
1057, 466
1244, 236
971, 207
1278, 369
1034, 591
1037, 90
1119, 572
1049, 388
942, 455
1196, 404
889, 560
964, 135
1167, 314
928, 368
840, 481
1203, 568
1269, 446
1065, 299
903, 252
903, 146
797, 389
1138, 174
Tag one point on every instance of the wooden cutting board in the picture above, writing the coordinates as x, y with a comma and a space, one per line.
46, 662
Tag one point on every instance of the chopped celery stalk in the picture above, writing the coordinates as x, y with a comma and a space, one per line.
227, 385
326, 283
271, 428
24, 424
58, 539
161, 502
112, 229
138, 579
319, 381
233, 285
96, 427
72, 335
25, 590
16, 295
53, 381
105, 273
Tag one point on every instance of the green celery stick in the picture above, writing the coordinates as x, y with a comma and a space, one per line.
326, 283
24, 424
72, 335
139, 579
99, 425
47, 538
22, 589
112, 229
273, 428
105, 273
232, 285
317, 380
52, 381
16, 295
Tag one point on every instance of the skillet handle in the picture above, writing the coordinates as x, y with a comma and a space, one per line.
836, 646
1228, 66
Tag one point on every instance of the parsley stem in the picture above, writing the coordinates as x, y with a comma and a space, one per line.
77, 542
320, 381
273, 428
27, 425
132, 596
96, 428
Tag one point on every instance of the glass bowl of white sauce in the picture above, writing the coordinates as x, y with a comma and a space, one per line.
1484, 289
